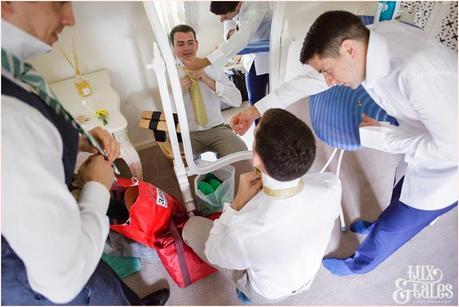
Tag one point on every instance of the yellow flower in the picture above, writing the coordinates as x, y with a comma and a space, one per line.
102, 114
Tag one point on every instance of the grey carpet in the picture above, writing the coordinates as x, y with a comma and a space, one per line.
367, 177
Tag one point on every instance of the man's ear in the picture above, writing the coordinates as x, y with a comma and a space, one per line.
349, 47
257, 162
238, 6
197, 44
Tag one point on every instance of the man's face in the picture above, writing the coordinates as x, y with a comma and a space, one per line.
44, 20
347, 69
185, 45
228, 16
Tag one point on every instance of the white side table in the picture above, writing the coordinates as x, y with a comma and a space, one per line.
103, 97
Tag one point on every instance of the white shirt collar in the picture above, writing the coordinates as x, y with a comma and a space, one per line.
274, 184
377, 62
179, 62
20, 43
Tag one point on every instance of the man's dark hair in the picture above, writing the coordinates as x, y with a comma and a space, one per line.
285, 144
328, 31
182, 29
223, 7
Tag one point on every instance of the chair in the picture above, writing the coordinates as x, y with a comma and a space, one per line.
336, 116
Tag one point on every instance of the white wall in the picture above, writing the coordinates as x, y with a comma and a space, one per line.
117, 36
209, 28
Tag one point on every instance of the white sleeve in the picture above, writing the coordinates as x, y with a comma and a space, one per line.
302, 86
250, 21
434, 99
59, 240
223, 247
227, 90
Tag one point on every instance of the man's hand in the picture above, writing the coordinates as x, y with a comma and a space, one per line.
249, 186
242, 121
196, 63
107, 141
202, 76
368, 121
185, 83
96, 168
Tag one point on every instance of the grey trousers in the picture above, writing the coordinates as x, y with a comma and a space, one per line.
195, 233
220, 139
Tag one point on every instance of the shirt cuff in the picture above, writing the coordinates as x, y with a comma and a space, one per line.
264, 105
227, 214
215, 56
94, 196
219, 88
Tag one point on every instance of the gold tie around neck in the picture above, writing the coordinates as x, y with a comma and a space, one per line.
199, 109
281, 193
284, 193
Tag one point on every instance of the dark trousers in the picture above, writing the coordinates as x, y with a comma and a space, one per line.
103, 288
396, 225
256, 86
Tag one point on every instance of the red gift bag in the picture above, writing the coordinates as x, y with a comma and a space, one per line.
156, 220
179, 260
149, 208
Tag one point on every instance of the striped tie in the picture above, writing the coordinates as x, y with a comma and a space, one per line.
26, 73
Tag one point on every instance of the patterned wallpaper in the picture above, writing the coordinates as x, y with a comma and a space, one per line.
438, 18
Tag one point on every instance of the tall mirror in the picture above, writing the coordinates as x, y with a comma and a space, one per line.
206, 98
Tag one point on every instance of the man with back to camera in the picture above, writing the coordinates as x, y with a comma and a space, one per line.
51, 244
412, 77
212, 134
270, 242
243, 22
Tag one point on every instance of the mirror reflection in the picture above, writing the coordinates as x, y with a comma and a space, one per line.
221, 82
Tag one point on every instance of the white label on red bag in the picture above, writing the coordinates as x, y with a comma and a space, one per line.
161, 198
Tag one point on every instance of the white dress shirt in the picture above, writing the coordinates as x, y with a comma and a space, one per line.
59, 239
254, 22
413, 78
279, 242
225, 91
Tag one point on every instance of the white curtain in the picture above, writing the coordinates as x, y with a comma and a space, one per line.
170, 13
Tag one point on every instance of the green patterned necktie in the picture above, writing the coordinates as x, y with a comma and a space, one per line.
25, 72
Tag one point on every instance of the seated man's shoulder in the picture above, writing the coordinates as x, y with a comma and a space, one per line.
326, 180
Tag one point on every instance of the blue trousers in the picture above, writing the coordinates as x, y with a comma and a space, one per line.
396, 225
256, 85
103, 288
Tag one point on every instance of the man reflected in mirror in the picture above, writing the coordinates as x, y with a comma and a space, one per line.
203, 91
243, 22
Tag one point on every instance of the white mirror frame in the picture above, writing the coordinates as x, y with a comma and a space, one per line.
160, 65
274, 45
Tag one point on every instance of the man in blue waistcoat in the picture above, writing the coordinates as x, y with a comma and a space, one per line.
51, 243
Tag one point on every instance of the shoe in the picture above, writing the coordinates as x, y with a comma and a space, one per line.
361, 227
337, 266
158, 298
242, 297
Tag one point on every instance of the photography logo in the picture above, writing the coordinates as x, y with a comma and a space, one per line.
423, 286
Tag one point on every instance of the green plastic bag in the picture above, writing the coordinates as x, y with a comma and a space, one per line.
123, 266
213, 202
